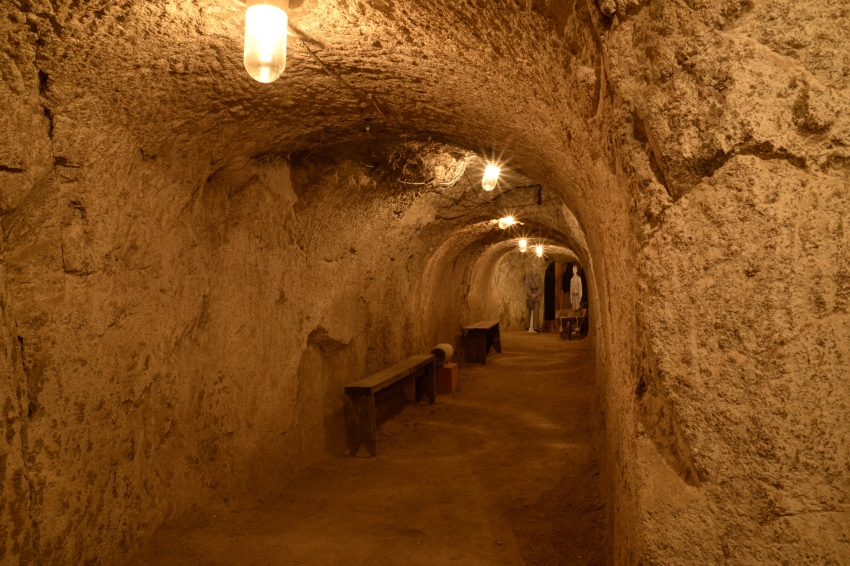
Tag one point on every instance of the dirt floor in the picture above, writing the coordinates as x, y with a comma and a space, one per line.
501, 472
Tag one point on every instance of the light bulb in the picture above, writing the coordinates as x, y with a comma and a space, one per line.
491, 176
265, 39
523, 245
506, 221
539, 251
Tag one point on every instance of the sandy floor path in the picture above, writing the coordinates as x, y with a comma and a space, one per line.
502, 472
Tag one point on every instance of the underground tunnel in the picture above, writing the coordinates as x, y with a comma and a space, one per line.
200, 256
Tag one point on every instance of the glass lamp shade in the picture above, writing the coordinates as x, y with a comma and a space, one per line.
491, 177
539, 251
506, 221
265, 41
523, 246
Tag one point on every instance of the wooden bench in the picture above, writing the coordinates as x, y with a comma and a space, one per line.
417, 377
480, 337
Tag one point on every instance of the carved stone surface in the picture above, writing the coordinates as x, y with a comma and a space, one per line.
195, 263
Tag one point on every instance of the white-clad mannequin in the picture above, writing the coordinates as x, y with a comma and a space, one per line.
575, 290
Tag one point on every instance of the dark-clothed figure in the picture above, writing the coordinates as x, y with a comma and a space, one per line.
533, 291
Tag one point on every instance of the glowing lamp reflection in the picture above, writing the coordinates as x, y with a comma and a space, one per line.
506, 221
523, 245
265, 42
539, 251
491, 177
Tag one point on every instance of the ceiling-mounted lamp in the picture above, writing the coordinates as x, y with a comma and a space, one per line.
523, 245
491, 177
266, 25
539, 250
506, 221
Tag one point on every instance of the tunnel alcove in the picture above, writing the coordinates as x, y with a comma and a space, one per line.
191, 258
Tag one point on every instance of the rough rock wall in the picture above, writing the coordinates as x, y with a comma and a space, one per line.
510, 280
26, 166
733, 133
753, 361
17, 537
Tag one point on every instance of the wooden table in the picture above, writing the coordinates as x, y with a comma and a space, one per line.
480, 337
571, 322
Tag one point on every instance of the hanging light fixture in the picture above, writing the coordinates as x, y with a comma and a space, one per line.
506, 221
523, 245
539, 250
265, 39
491, 176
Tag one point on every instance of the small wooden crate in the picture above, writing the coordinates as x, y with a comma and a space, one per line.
446, 378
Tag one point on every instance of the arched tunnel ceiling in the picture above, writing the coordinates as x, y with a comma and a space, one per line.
434, 183
520, 78
491, 78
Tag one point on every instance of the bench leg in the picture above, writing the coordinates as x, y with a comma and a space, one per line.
476, 347
360, 426
352, 424
481, 347
427, 385
497, 341
469, 347
368, 425
408, 389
